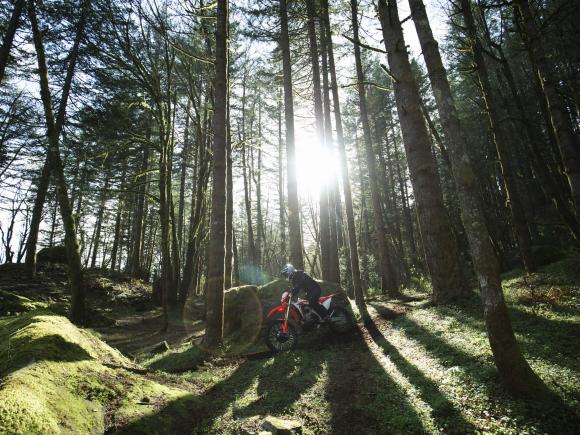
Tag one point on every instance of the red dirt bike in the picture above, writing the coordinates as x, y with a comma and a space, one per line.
291, 317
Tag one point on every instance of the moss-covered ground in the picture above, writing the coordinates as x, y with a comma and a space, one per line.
417, 368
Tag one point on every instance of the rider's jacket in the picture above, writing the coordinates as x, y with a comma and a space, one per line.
302, 281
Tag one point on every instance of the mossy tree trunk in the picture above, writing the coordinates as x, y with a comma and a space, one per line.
44, 178
77, 311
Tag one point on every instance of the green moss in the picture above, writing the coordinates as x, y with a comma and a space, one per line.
186, 358
11, 304
58, 378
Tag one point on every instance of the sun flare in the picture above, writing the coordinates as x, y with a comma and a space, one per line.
316, 165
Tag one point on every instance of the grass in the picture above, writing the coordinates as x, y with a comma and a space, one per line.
417, 368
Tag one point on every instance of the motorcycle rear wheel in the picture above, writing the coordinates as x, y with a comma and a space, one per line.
340, 321
278, 341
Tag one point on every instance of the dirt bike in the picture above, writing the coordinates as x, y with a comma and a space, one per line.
293, 317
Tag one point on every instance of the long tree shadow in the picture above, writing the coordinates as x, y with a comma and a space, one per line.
194, 413
554, 417
281, 383
551, 339
446, 415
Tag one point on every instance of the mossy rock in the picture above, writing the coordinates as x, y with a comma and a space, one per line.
57, 378
270, 293
55, 254
246, 307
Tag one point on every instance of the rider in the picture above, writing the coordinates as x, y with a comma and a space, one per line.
302, 281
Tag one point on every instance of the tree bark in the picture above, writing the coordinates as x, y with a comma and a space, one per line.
77, 311
294, 230
388, 278
350, 223
568, 142
517, 212
324, 226
511, 364
215, 269
44, 179
440, 247
9, 35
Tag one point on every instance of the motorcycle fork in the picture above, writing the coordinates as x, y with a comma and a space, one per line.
285, 324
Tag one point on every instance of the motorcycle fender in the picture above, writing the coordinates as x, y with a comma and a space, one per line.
326, 303
281, 309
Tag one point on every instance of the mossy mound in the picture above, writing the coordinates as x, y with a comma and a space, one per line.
57, 378
12, 304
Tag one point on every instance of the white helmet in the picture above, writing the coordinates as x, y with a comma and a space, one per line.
287, 271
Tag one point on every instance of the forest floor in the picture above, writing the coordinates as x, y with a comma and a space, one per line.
416, 368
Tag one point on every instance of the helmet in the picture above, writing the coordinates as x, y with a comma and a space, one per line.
287, 271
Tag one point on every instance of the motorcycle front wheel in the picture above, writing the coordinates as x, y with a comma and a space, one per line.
279, 341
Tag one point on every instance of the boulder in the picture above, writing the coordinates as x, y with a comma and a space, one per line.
55, 254
280, 426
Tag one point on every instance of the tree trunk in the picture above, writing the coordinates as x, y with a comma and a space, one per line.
77, 311
9, 35
568, 142
282, 209
136, 267
229, 207
388, 278
324, 226
511, 364
44, 179
183, 175
294, 230
215, 269
334, 212
99, 222
350, 223
440, 247
517, 212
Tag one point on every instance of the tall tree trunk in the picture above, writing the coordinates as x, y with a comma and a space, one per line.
100, 214
388, 278
183, 175
117, 245
215, 269
44, 179
324, 226
440, 247
511, 364
229, 207
568, 142
517, 212
334, 212
350, 224
9, 35
77, 311
281, 201
136, 267
294, 230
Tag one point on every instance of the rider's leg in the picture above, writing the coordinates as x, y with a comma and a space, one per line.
315, 305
